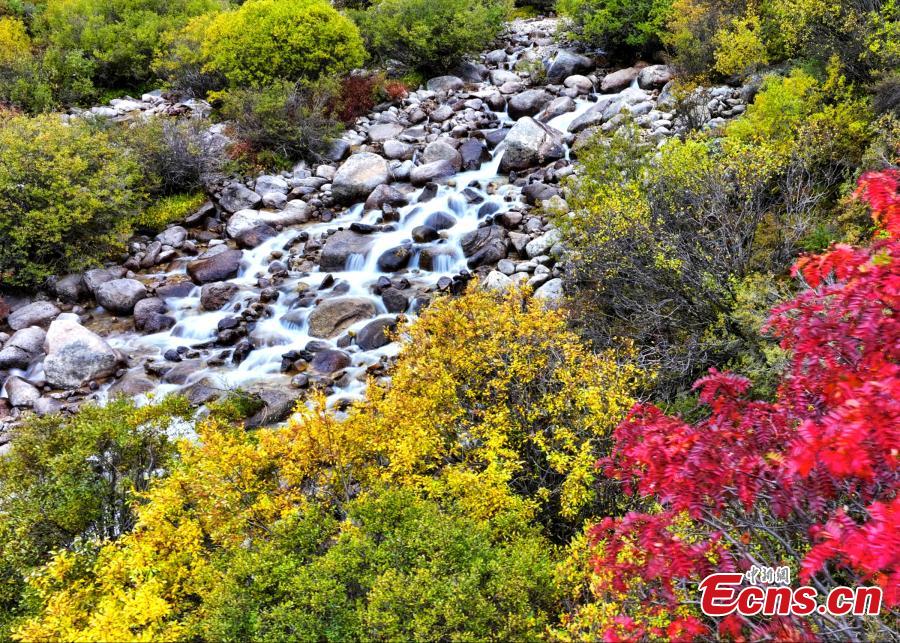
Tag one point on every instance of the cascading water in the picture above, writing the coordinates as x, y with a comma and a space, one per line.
468, 198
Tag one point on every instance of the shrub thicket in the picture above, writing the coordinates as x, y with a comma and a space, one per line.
620, 27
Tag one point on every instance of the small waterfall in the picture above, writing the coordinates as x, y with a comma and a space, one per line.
355, 262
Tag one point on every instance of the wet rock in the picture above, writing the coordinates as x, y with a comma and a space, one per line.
500, 77
440, 221
176, 288
556, 107
472, 154
120, 296
150, 317
519, 241
566, 64
203, 392
619, 80
236, 196
424, 234
182, 371
358, 176
376, 333
429, 172
655, 76
174, 236
76, 355
131, 385
340, 247
484, 246
439, 150
329, 360
442, 113
338, 150
333, 316
21, 393
385, 194
445, 84
219, 267
244, 220
395, 259
274, 200
255, 236
394, 300
530, 144
581, 83
277, 406
431, 258
213, 296
39, 313
528, 103
23, 348
534, 193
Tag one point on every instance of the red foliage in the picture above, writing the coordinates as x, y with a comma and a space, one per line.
819, 464
357, 97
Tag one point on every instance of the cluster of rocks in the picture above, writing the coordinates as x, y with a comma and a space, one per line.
155, 103
400, 152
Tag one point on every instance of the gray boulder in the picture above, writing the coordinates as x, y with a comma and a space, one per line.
38, 313
528, 103
434, 171
445, 84
329, 360
619, 80
530, 144
21, 393
358, 176
174, 236
93, 279
385, 194
270, 183
219, 267
566, 64
237, 196
376, 333
214, 296
23, 348
394, 259
119, 296
556, 107
70, 289
655, 76
542, 245
473, 153
340, 246
150, 316
442, 149
551, 293
484, 246
384, 131
76, 355
333, 316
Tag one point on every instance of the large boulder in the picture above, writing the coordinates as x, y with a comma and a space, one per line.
244, 220
385, 194
95, 278
119, 296
218, 267
542, 245
528, 103
445, 84
376, 333
333, 316
384, 131
394, 259
566, 64
23, 348
270, 183
655, 76
530, 144
76, 355
473, 153
70, 289
551, 293
340, 247
442, 149
329, 360
434, 171
556, 107
484, 246
237, 196
39, 313
618, 80
358, 176
21, 393
150, 316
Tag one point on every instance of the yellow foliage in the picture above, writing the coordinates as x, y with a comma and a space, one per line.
15, 45
740, 49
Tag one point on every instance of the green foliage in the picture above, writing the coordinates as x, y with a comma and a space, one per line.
621, 27
66, 197
740, 49
398, 568
119, 36
180, 62
283, 122
75, 478
430, 35
165, 210
264, 41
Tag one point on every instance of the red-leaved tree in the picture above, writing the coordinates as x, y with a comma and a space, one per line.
810, 480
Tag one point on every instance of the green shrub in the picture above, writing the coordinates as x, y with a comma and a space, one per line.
739, 49
166, 210
431, 35
118, 36
268, 40
180, 62
72, 478
400, 568
621, 27
66, 197
284, 121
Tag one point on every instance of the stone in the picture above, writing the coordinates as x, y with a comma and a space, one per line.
501, 76
174, 236
277, 407
535, 193
329, 360
472, 153
655, 76
333, 316
445, 84
38, 313
556, 107
439, 150
218, 267
237, 196
385, 194
70, 289
442, 113
358, 176
471, 72
529, 144
582, 83
132, 384
176, 288
436, 258
394, 300
424, 234
245, 220
528, 103
542, 245
551, 292
619, 80
496, 280
23, 348
21, 393
120, 296
75, 355
440, 221
274, 200
270, 183
595, 115
519, 241
150, 317
340, 246
396, 150
429, 172
376, 333
338, 150
566, 64
384, 131
394, 259
46, 406
506, 266
93, 279
484, 246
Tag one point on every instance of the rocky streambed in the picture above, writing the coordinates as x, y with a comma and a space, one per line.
297, 279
